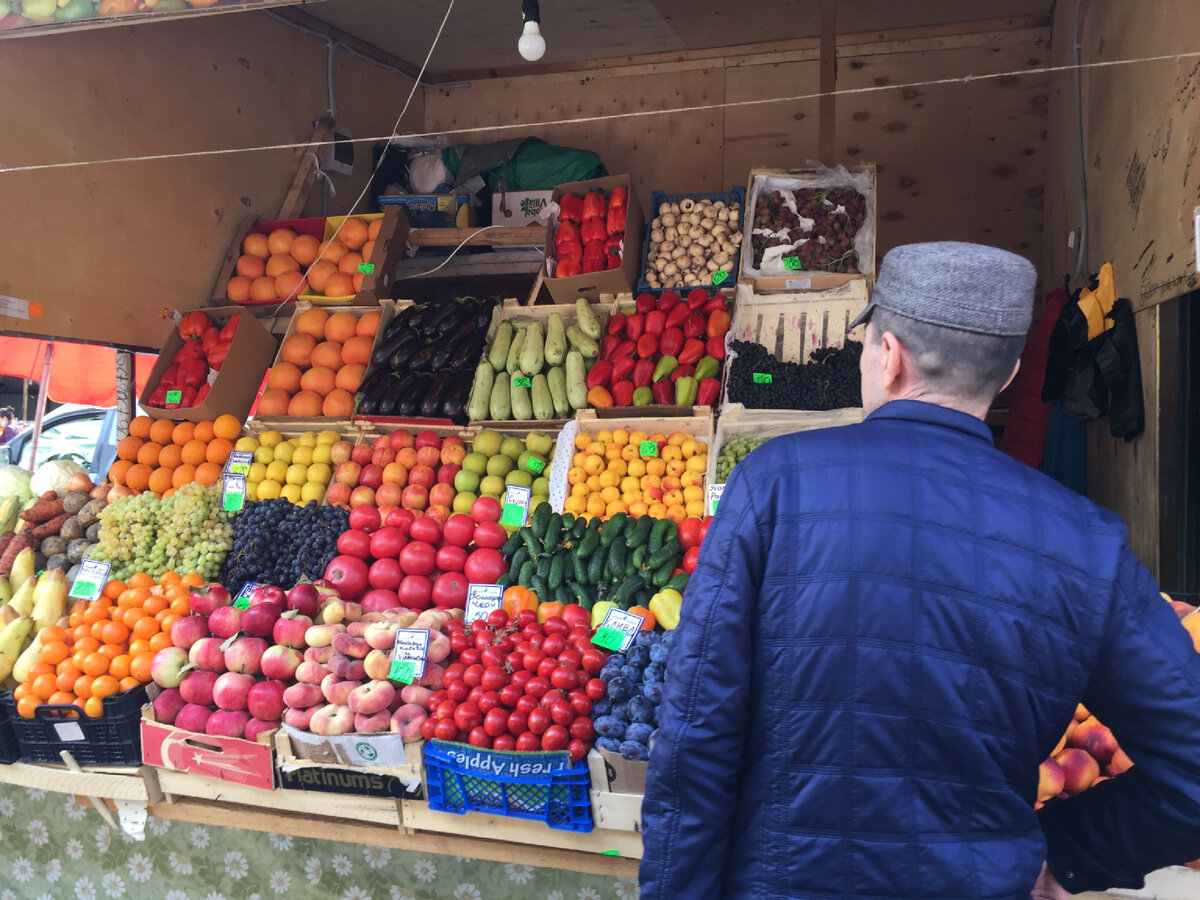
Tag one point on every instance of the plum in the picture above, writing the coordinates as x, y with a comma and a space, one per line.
620, 688
609, 726
621, 711
634, 750
638, 656
658, 653
642, 710
645, 639
609, 672
601, 707
612, 745
632, 674
639, 732
667, 637
652, 691
655, 673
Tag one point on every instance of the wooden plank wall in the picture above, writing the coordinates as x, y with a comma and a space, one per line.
963, 161
104, 248
1141, 131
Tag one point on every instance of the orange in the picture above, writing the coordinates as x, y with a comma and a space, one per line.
54, 652
305, 403
318, 379
140, 579
95, 663
139, 427
192, 580
168, 618
93, 707
111, 651
348, 264
148, 453
367, 249
41, 668
138, 477
238, 289
128, 447
27, 706
118, 667
112, 591
256, 245
280, 263
227, 427
114, 633
105, 686
290, 284
274, 402
357, 281
312, 322
204, 431
318, 274
219, 449
140, 667
327, 354
160, 642
353, 233
285, 376
138, 646
349, 378
128, 683
171, 456
161, 431
182, 433
131, 616
357, 350
338, 403
298, 348
67, 678
194, 452
52, 633
251, 267
44, 685
333, 250
146, 627
304, 249
208, 473
339, 285
373, 229
161, 480
167, 494
118, 470
61, 698
368, 324
263, 289
280, 240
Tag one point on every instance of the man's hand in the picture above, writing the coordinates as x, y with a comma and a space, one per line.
1047, 887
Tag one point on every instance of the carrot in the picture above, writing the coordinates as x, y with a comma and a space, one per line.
15, 546
52, 526
5, 539
43, 511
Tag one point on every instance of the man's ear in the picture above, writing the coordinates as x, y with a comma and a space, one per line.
892, 359
1016, 369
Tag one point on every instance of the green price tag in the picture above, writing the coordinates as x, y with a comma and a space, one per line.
402, 670
85, 589
609, 638
233, 492
648, 448
533, 464
365, 268
761, 377
174, 396
610, 852
719, 276
242, 603
521, 381
92, 577
792, 262
513, 514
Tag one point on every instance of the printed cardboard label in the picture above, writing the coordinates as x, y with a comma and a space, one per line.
242, 600
408, 654
516, 505
90, 581
239, 462
618, 630
714, 496
482, 599
233, 492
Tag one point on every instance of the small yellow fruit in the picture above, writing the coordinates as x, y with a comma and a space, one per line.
270, 438
246, 444
269, 489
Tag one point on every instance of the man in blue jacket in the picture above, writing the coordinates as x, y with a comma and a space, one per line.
889, 629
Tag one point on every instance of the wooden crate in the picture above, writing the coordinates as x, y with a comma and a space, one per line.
612, 810
776, 278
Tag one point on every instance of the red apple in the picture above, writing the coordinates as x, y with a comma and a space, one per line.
415, 497
389, 493
439, 514
382, 456
453, 451
348, 574
362, 496
338, 494
204, 600
347, 473
340, 452
395, 473
422, 475
429, 456
361, 454
428, 438
399, 439
371, 475
442, 494
446, 472
304, 599
231, 690
380, 443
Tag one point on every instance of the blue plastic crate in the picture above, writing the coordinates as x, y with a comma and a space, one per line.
546, 787
657, 198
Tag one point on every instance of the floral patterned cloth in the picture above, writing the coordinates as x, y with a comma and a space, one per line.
54, 848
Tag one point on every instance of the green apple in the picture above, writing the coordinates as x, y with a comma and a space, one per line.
38, 9
475, 462
519, 476
512, 447
466, 480
492, 484
487, 442
462, 501
540, 443
499, 465
541, 486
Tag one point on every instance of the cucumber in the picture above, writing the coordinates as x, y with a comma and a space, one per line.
590, 543
667, 553
576, 376
579, 568
638, 556
678, 582
510, 547
657, 536
532, 544
551, 540
522, 405
532, 356
498, 355
582, 597
563, 595
538, 585
514, 351
579, 528
568, 524
555, 578
541, 517
539, 392
505, 580
662, 575
623, 596
543, 566
594, 523
595, 571
581, 342
525, 573
481, 392
612, 529
500, 402
519, 558
615, 566
556, 381
556, 340
586, 319
640, 532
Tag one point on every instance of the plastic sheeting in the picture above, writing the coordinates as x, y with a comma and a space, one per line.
79, 373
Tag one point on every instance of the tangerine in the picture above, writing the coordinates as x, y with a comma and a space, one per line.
208, 473
304, 249
170, 456
161, 431
312, 322
373, 229
350, 377
327, 354
318, 379
218, 450
128, 447
368, 324
280, 263
250, 267
274, 402
94, 706
340, 327
148, 453
339, 404
182, 475
356, 281
227, 427
290, 284
298, 349
256, 245
183, 433
139, 426
238, 289
318, 274
285, 376
353, 232
367, 249
339, 285
280, 240
357, 350
348, 264
194, 452
263, 289
305, 403
333, 250
138, 477
204, 431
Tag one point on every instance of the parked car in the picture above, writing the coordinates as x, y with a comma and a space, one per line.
85, 434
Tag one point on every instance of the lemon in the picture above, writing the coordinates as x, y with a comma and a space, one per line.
297, 474
264, 455
312, 491
303, 455
269, 489
277, 471
257, 472
320, 473
270, 438
328, 436
246, 443
284, 451
308, 439
291, 492
322, 453
251, 491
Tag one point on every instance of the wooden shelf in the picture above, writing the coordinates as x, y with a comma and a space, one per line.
527, 236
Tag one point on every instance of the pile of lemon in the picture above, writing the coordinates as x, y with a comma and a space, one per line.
298, 468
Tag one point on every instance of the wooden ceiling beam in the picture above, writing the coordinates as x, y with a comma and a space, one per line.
366, 48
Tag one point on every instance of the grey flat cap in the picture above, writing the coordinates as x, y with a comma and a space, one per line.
970, 287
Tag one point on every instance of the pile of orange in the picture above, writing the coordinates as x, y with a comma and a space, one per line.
107, 645
160, 455
320, 365
285, 264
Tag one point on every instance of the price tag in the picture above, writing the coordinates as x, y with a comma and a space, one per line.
408, 654
533, 464
239, 462
792, 262
618, 630
90, 581
521, 381
761, 377
516, 505
174, 396
719, 276
714, 495
242, 600
481, 600
648, 448
233, 492
366, 268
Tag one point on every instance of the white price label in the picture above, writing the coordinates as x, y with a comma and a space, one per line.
482, 599
714, 495
233, 492
90, 581
618, 630
516, 505
239, 462
408, 654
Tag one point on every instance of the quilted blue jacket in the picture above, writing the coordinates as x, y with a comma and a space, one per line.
889, 629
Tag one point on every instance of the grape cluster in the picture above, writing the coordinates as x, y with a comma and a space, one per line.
186, 532
830, 381
277, 542
627, 716
836, 214
733, 453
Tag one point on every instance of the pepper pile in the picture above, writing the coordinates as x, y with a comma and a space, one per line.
589, 233
668, 350
205, 347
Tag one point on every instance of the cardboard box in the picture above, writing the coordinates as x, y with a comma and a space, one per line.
612, 281
620, 775
514, 209
378, 750
229, 759
236, 384
313, 763
433, 210
380, 269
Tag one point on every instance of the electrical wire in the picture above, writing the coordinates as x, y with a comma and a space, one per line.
1081, 247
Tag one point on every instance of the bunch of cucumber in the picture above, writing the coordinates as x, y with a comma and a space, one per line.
571, 559
536, 373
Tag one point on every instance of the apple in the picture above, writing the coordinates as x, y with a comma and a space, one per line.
197, 687
338, 494
425, 476
340, 452
337, 690
259, 620
300, 719
169, 666
407, 721
167, 706
362, 496
227, 723
349, 575
371, 475
264, 700
225, 621
439, 514
486, 509
304, 599
388, 494
395, 473
385, 508
290, 628
268, 593
399, 439
231, 690
372, 724
407, 457
1079, 769
311, 672
381, 457
429, 456
193, 717
347, 473
371, 697
380, 443
204, 600
377, 664
376, 601
245, 655
427, 438
442, 494
255, 727
361, 454
281, 662
453, 451
349, 645
416, 496
189, 629
347, 667
206, 653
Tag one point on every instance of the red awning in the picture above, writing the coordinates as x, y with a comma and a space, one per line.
79, 373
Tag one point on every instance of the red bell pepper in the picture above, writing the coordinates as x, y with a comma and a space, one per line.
566, 232
656, 322
694, 325
593, 257
202, 394
592, 265
718, 323
193, 325
599, 374
635, 326
192, 372
568, 268
216, 356
571, 251
668, 300
616, 220
187, 398
158, 396
170, 377
618, 197
616, 325
612, 246
622, 393
609, 345
680, 371
622, 367
211, 338
696, 298
664, 392
570, 208
625, 348
595, 206
647, 346
716, 347
645, 303
671, 342
614, 262
677, 315
708, 392
692, 352
593, 230
190, 350
716, 302
231, 328
643, 373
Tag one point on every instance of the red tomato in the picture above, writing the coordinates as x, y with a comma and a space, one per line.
554, 644
537, 686
579, 632
551, 697
564, 678
493, 678
427, 729
476, 693
387, 542
521, 678
415, 591
446, 708
454, 672
510, 694
555, 737
562, 713
577, 750
488, 701
353, 542
495, 722
492, 657
425, 529
458, 642
479, 738
458, 530
498, 618
484, 565
540, 720
592, 661
526, 617
528, 741
472, 676
445, 730
576, 617
571, 658
504, 742
469, 657
467, 716
533, 659
596, 689
457, 692
556, 625
450, 558
418, 557
582, 729
547, 667
402, 519
490, 534
689, 559
581, 704
436, 699
526, 704
517, 723
689, 533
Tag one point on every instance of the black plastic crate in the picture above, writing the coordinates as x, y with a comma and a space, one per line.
10, 750
113, 739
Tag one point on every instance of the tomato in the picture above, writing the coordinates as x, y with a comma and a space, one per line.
456, 626
540, 720
510, 694
364, 518
554, 644
445, 709
473, 675
562, 713
577, 750
689, 534
571, 658
547, 667
484, 565
579, 632
495, 722
555, 737
490, 534
458, 530
353, 542
504, 742
556, 625
469, 657
415, 591
581, 704
476, 694
517, 723
467, 716
564, 678
458, 691
445, 730
596, 689
504, 645
454, 672
479, 626
528, 741
418, 557
576, 617
526, 617
498, 618
526, 704
582, 729
427, 729
690, 558
551, 697
425, 529
520, 678
488, 700
450, 558
387, 543
436, 699
592, 661
492, 657
478, 737
458, 642
537, 686
402, 519
533, 659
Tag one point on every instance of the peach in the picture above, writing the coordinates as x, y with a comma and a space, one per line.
302, 696
377, 664
332, 720
322, 635
337, 690
351, 645
1050, 780
375, 723
310, 672
346, 666
372, 697
1079, 769
1096, 739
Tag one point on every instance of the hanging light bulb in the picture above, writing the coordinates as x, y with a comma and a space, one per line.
531, 44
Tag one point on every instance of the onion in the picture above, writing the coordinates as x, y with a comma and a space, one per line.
118, 491
79, 482
100, 491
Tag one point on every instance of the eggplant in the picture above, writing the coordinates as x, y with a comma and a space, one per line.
431, 404
454, 406
420, 361
441, 321
375, 377
397, 390
401, 361
411, 401
373, 396
420, 314
467, 355
483, 314
390, 345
